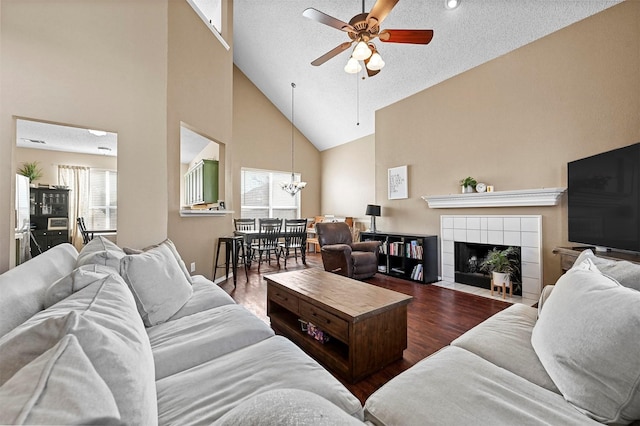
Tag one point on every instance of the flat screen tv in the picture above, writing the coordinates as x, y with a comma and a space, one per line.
604, 199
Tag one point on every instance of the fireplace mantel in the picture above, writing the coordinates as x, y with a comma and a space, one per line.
518, 198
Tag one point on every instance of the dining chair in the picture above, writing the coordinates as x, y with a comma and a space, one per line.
246, 224
86, 236
269, 233
295, 239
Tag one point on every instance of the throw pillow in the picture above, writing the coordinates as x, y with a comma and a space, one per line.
588, 340
624, 272
174, 251
104, 319
157, 283
78, 279
100, 251
61, 386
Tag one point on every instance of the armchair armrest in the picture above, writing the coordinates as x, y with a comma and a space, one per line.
371, 246
343, 249
336, 258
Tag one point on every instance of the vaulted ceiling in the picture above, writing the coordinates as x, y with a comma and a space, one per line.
274, 46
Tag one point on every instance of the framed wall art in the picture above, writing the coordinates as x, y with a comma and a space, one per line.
397, 183
57, 223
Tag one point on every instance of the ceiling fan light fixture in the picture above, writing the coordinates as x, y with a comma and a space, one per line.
353, 66
375, 62
361, 51
451, 4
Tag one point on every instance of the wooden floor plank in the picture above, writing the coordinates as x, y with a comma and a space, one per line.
436, 315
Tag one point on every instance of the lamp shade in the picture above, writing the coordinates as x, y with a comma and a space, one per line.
373, 210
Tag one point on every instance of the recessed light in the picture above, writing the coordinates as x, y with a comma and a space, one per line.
451, 4
97, 132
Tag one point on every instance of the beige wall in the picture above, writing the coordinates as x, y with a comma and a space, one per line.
348, 175
200, 77
100, 64
49, 161
262, 140
514, 123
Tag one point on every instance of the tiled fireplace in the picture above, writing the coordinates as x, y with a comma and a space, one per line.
520, 231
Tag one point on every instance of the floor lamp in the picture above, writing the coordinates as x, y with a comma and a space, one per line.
373, 211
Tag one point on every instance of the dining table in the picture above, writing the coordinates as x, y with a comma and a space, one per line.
255, 234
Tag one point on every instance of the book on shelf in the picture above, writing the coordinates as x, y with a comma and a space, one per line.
416, 273
382, 268
414, 250
397, 270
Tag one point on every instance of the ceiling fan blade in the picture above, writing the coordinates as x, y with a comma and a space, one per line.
380, 11
323, 18
330, 54
406, 36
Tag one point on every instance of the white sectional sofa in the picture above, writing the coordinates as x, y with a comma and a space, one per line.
109, 338
105, 337
573, 361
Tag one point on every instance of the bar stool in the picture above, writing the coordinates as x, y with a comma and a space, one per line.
233, 247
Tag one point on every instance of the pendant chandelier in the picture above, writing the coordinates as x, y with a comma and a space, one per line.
292, 187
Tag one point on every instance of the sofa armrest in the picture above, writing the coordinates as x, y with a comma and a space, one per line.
544, 296
371, 246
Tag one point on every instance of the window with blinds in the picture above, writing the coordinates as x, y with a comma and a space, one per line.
103, 199
262, 196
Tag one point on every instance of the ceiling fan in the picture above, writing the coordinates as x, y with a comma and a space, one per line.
362, 29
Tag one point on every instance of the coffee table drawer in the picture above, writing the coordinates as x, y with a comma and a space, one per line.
337, 327
283, 298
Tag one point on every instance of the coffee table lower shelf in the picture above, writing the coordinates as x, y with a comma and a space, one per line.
334, 354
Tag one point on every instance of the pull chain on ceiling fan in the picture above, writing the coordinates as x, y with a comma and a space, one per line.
362, 29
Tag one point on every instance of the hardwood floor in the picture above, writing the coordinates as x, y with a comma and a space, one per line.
436, 315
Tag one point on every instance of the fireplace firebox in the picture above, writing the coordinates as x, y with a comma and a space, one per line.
469, 256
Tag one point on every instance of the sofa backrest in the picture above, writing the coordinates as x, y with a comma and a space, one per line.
22, 288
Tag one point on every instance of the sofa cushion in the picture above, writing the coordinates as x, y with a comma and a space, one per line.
192, 340
108, 327
505, 340
158, 285
174, 251
588, 339
287, 407
622, 271
457, 387
100, 251
59, 387
78, 279
23, 287
223, 383
206, 295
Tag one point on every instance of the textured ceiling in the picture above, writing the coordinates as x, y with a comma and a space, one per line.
274, 45
31, 134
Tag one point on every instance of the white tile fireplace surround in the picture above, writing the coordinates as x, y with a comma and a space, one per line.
521, 231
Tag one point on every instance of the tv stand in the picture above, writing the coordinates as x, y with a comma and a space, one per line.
568, 255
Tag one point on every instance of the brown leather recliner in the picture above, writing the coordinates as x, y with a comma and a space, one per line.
342, 256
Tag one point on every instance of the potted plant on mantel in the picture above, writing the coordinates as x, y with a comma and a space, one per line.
503, 264
468, 184
31, 170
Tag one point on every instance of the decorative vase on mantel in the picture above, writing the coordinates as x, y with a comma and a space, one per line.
467, 189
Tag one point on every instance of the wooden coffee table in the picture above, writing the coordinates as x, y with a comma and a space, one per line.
367, 324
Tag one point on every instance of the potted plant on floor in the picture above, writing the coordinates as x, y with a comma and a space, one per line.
503, 264
468, 184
